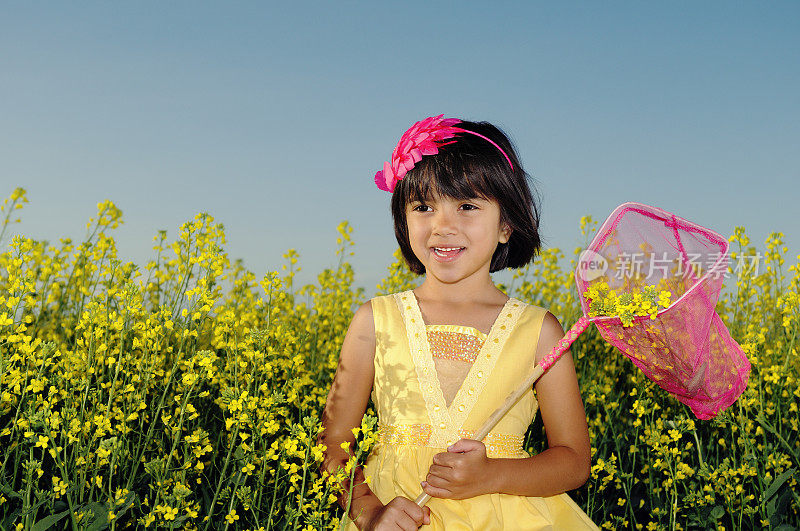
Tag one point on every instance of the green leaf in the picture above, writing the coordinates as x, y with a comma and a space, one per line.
49, 521
8, 491
717, 512
100, 521
776, 484
179, 520
132, 497
781, 508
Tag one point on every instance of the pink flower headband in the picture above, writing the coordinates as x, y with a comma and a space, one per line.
423, 138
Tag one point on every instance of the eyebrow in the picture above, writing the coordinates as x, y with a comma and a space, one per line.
433, 198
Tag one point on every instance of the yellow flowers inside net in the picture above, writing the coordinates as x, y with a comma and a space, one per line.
626, 305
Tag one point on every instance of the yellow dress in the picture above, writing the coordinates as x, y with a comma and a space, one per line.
435, 384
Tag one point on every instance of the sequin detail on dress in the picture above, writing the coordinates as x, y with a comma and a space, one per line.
457, 343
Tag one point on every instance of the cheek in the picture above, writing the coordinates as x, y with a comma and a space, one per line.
483, 231
416, 230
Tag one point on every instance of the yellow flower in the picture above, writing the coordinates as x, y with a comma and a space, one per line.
231, 517
59, 486
168, 512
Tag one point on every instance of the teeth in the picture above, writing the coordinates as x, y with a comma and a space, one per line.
443, 251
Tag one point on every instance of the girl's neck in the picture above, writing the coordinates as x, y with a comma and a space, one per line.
460, 293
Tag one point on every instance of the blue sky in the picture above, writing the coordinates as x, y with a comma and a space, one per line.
274, 117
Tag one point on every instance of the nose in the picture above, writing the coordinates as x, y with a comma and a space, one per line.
444, 222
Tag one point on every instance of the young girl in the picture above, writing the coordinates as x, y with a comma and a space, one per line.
439, 359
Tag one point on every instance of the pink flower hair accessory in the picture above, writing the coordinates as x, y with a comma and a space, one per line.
423, 138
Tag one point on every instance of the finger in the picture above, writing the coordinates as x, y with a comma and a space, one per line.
465, 445
406, 523
437, 481
426, 515
415, 513
408, 507
446, 459
457, 446
436, 492
442, 458
441, 474
440, 471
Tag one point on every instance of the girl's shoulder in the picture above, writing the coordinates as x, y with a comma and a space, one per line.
386, 307
395, 299
530, 312
363, 318
550, 333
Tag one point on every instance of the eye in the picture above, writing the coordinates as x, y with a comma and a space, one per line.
420, 208
469, 206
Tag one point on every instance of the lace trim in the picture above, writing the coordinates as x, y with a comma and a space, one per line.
497, 444
426, 371
447, 421
472, 387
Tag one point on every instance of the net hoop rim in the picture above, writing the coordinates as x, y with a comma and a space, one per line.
661, 215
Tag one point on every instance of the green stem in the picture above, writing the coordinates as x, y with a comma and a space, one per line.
8, 216
767, 426
699, 451
26, 507
791, 348
233, 497
153, 422
274, 496
302, 486
222, 476
111, 497
350, 492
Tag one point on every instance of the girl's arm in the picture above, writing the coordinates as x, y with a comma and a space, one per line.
465, 471
345, 407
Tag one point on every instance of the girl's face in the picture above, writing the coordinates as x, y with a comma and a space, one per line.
455, 238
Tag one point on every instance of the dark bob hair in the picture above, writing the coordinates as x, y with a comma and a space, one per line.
468, 168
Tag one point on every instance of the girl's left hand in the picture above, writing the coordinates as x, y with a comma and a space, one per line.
461, 472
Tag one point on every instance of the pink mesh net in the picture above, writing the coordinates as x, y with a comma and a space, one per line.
686, 349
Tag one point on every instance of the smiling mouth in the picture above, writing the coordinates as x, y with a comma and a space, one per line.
447, 253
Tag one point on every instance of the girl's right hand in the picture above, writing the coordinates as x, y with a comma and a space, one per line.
400, 512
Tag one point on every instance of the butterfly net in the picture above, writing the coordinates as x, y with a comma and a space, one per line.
685, 348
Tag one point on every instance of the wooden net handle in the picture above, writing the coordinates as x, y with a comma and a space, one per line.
547, 362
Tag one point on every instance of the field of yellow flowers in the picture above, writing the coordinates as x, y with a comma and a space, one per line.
187, 394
